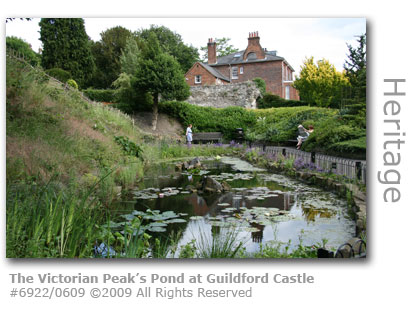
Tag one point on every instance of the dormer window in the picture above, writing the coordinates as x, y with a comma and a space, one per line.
252, 56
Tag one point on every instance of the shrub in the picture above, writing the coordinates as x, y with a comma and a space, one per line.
72, 83
100, 95
59, 74
271, 100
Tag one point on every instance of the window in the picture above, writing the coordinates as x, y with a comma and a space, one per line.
287, 92
234, 73
198, 79
241, 70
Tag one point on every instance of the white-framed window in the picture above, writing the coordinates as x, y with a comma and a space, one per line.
198, 79
234, 73
241, 70
287, 92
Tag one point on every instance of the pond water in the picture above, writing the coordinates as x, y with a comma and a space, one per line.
261, 206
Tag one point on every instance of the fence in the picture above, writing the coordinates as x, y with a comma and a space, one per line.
350, 168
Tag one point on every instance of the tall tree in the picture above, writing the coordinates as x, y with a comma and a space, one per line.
223, 48
66, 46
172, 43
355, 67
321, 84
159, 74
107, 53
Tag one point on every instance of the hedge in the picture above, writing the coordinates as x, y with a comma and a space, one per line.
209, 119
100, 95
271, 100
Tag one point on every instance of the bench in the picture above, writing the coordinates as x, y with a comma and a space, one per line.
207, 137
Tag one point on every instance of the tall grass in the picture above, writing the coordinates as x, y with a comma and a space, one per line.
43, 223
223, 244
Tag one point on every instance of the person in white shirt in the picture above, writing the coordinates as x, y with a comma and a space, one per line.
189, 135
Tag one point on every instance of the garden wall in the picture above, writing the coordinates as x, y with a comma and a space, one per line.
242, 94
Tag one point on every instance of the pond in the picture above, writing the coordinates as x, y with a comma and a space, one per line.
262, 207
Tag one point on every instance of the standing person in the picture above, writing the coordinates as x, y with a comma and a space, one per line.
189, 135
303, 134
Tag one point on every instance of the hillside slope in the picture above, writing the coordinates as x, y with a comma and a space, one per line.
54, 135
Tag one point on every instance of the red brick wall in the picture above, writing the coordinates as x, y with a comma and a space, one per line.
269, 71
198, 70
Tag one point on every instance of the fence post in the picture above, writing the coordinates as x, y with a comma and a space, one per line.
313, 157
284, 152
358, 166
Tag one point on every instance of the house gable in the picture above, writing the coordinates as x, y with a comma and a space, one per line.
207, 74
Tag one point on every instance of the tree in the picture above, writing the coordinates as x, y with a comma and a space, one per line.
129, 57
223, 48
107, 53
321, 84
23, 48
66, 46
355, 67
172, 44
158, 73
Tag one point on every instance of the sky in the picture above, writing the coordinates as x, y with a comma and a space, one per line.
295, 39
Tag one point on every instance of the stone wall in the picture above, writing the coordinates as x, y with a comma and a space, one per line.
221, 96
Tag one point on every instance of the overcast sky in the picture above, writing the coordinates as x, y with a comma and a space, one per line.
293, 38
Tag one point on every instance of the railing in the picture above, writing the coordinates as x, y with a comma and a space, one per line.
20, 57
350, 168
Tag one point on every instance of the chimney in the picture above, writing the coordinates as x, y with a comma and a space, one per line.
211, 52
254, 39
254, 46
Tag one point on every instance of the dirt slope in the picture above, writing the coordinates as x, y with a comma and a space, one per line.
167, 126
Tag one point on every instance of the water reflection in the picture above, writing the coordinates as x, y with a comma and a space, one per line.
281, 211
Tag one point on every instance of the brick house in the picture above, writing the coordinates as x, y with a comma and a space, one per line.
241, 66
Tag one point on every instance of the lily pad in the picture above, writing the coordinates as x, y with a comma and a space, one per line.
157, 229
225, 204
176, 221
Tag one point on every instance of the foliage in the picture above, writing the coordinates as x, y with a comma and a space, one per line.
66, 46
23, 48
129, 98
321, 84
158, 73
107, 53
343, 135
224, 244
172, 43
59, 74
271, 100
208, 119
100, 95
355, 67
278, 125
129, 147
223, 48
129, 57
261, 85
44, 223
72, 83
